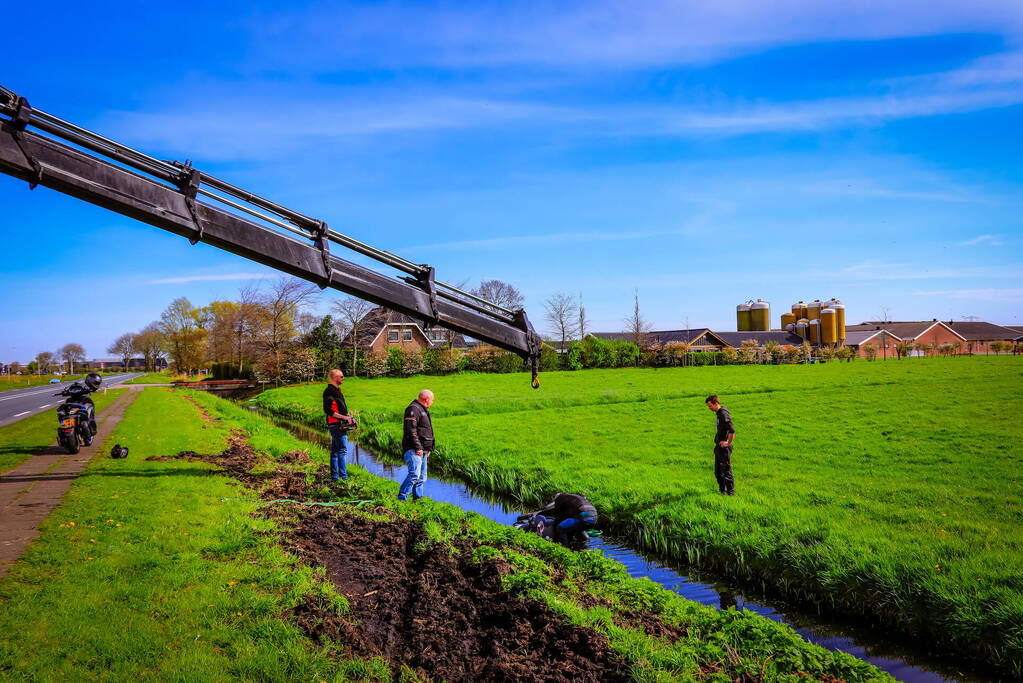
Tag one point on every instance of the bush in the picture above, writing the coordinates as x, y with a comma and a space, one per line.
509, 362
573, 358
375, 364
404, 361
483, 358
550, 359
442, 361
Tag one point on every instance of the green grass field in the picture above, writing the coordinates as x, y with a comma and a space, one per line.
8, 382
887, 489
25, 438
159, 571
164, 377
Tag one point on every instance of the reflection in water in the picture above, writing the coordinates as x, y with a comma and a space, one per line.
899, 659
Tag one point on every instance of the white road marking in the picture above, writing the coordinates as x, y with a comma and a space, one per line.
45, 406
24, 413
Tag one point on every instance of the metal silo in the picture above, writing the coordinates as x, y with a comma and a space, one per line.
760, 314
839, 320
829, 328
799, 310
743, 318
802, 328
815, 331
813, 310
788, 319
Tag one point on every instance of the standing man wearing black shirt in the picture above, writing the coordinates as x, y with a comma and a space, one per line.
338, 423
723, 446
417, 442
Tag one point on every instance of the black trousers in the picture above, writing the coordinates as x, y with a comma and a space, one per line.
723, 469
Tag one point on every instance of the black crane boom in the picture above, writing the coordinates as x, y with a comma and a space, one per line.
165, 195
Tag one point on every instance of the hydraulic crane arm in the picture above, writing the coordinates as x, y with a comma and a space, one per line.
34, 147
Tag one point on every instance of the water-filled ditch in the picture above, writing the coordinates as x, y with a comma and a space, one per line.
888, 652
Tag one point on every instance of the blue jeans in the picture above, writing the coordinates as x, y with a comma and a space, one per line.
338, 453
416, 476
565, 529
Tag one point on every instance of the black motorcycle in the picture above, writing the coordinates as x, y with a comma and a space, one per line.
536, 523
77, 415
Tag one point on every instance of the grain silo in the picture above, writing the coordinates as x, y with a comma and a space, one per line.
815, 331
839, 320
799, 310
760, 316
743, 318
802, 328
813, 310
788, 319
828, 326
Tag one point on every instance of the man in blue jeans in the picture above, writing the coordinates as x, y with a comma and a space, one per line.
417, 442
338, 424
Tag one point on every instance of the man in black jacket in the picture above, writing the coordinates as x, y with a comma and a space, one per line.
417, 442
338, 423
723, 446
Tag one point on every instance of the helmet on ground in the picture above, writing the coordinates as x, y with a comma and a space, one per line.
93, 381
119, 451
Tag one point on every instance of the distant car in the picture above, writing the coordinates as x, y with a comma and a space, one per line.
54, 381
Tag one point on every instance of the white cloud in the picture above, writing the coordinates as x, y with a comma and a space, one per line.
585, 34
206, 278
985, 240
1008, 294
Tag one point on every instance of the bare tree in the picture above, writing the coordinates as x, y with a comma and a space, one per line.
582, 318
44, 359
149, 345
72, 353
500, 293
282, 303
351, 313
636, 325
562, 315
124, 346
886, 314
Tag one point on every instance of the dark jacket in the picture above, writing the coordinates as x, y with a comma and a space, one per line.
568, 505
334, 402
725, 426
418, 431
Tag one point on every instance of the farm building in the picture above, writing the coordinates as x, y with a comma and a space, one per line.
381, 328
698, 339
980, 335
931, 332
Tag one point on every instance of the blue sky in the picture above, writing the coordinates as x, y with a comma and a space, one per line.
703, 152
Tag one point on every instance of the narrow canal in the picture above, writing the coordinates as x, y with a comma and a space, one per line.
903, 660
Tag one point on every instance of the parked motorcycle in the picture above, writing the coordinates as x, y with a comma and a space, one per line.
76, 416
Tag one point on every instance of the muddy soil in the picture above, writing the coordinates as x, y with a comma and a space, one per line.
437, 613
240, 458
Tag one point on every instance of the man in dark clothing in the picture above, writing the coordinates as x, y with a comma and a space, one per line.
338, 423
572, 514
417, 442
723, 446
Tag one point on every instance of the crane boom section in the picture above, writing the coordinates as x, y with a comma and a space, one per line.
165, 195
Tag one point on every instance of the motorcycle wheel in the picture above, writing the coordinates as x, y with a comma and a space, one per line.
70, 443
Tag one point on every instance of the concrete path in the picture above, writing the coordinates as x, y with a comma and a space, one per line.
30, 492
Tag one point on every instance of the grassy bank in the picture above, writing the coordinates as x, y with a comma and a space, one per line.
23, 439
165, 377
887, 489
155, 569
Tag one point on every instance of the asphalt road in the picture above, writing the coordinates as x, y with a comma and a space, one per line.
21, 403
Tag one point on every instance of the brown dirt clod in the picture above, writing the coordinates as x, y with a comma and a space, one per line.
444, 617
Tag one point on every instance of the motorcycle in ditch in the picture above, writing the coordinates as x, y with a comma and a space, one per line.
76, 416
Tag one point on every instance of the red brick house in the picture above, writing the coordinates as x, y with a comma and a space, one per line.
699, 339
933, 332
382, 328
979, 335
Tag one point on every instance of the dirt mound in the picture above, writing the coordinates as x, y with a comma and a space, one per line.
238, 459
440, 615
286, 484
294, 458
